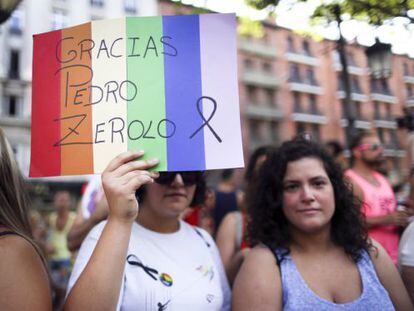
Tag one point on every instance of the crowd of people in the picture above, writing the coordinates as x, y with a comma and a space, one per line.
303, 231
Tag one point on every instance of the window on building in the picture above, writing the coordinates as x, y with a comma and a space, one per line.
384, 86
294, 74
316, 135
394, 139
267, 67
97, 3
409, 90
306, 48
355, 86
254, 131
297, 105
130, 6
16, 22
291, 46
313, 108
270, 97
350, 59
310, 76
388, 113
14, 64
252, 94
380, 132
300, 128
377, 114
358, 111
59, 19
11, 107
406, 70
248, 63
340, 82
274, 133
374, 86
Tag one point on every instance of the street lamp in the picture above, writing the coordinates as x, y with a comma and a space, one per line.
379, 60
6, 8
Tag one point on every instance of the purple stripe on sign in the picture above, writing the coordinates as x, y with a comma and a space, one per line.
182, 75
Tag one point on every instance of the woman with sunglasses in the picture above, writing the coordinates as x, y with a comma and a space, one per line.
144, 257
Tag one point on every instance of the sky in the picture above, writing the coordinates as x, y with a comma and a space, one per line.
402, 40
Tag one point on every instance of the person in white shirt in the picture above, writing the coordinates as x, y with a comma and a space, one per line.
144, 257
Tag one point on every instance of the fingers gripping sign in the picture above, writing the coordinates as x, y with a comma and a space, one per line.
121, 178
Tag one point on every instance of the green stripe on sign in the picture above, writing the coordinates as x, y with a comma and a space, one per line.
145, 69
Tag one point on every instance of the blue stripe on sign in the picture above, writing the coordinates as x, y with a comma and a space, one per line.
182, 74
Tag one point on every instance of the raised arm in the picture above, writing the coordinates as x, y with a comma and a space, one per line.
99, 284
258, 285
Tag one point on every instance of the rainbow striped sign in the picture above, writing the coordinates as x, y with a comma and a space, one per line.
166, 85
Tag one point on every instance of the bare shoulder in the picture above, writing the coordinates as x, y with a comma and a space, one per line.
258, 284
377, 253
262, 254
24, 282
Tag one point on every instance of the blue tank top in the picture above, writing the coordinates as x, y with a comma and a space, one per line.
298, 296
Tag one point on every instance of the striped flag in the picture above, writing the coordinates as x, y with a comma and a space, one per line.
166, 85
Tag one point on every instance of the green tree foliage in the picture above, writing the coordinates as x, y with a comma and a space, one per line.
375, 12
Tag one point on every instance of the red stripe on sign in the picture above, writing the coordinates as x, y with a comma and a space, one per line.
45, 154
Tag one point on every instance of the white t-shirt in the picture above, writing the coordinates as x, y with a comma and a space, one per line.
176, 271
406, 247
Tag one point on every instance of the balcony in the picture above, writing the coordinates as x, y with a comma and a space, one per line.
260, 78
360, 123
263, 112
302, 58
311, 87
257, 48
393, 150
308, 116
387, 122
354, 96
381, 97
410, 102
15, 121
408, 79
353, 70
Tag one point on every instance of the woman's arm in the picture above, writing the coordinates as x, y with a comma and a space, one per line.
24, 284
390, 278
226, 244
258, 285
100, 282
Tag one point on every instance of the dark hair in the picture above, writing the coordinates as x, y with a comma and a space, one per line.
199, 194
334, 148
251, 166
227, 173
357, 139
268, 224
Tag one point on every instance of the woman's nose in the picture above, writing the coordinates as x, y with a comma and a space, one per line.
307, 193
178, 180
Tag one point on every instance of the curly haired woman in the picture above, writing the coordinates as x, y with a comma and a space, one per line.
312, 250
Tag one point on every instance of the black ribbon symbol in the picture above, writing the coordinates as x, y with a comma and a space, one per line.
147, 270
206, 121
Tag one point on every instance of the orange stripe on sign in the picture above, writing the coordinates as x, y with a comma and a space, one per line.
76, 111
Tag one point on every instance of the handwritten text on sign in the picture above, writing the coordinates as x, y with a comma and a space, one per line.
166, 85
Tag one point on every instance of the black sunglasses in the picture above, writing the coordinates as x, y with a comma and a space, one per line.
189, 178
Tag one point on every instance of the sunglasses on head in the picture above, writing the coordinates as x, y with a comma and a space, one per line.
372, 147
189, 178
